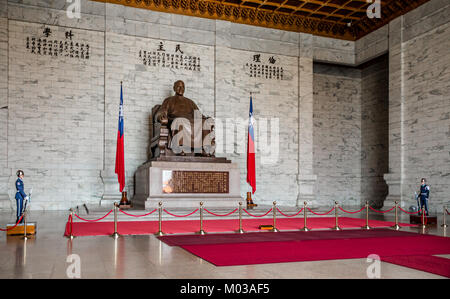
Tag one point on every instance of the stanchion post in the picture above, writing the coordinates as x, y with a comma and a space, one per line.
71, 236
444, 224
160, 232
25, 225
240, 230
336, 212
367, 217
396, 226
201, 231
274, 212
423, 225
115, 235
305, 227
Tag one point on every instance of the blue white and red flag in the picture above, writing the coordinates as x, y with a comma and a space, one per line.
120, 153
251, 172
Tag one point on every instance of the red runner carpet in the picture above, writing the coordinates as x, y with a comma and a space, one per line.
433, 264
397, 250
222, 225
184, 240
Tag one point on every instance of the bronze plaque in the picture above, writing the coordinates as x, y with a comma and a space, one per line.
175, 181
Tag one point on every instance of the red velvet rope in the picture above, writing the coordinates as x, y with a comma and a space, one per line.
290, 215
95, 220
258, 215
137, 215
221, 215
8, 229
382, 212
322, 214
410, 213
179, 215
352, 212
447, 211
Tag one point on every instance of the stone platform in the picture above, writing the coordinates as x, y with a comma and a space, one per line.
186, 182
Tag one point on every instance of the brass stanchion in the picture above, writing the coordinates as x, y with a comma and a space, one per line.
305, 228
367, 217
396, 226
115, 235
240, 230
25, 225
336, 212
160, 232
423, 225
201, 231
444, 224
274, 212
71, 236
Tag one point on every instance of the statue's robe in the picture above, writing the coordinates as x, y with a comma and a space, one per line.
187, 136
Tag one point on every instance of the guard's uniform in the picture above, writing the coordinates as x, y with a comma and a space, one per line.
20, 196
424, 194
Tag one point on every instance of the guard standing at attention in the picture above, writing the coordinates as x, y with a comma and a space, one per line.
424, 194
20, 195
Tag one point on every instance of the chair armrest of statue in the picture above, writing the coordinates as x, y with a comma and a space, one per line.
159, 135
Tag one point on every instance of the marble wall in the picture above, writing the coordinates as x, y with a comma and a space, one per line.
374, 130
426, 115
147, 83
337, 133
275, 108
419, 125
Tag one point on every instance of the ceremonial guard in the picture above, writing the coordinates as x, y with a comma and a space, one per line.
424, 194
20, 195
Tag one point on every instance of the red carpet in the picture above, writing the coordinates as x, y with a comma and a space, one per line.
230, 254
433, 264
223, 225
182, 240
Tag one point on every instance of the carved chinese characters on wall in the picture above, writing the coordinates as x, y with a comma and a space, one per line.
48, 45
172, 57
264, 66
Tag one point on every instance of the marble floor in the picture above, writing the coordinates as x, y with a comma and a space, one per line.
47, 255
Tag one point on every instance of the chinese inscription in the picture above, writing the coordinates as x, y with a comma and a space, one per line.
162, 57
47, 46
197, 182
260, 67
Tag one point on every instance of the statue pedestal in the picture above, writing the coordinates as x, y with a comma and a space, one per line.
187, 181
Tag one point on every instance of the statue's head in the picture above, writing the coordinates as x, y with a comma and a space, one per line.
178, 87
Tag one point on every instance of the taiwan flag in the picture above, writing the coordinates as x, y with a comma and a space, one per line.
251, 173
120, 153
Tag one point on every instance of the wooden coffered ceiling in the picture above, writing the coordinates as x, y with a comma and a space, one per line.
342, 19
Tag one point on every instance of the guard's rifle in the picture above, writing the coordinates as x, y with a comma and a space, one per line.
417, 200
27, 200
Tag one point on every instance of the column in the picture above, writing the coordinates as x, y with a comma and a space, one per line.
394, 177
306, 178
5, 172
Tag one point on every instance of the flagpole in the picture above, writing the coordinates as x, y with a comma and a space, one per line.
248, 185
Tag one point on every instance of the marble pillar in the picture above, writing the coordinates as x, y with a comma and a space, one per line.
306, 178
396, 100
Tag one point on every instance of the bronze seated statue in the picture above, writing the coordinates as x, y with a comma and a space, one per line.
177, 128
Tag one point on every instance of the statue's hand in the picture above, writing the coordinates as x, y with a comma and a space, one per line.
163, 119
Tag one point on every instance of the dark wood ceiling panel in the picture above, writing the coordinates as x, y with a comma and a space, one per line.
343, 19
